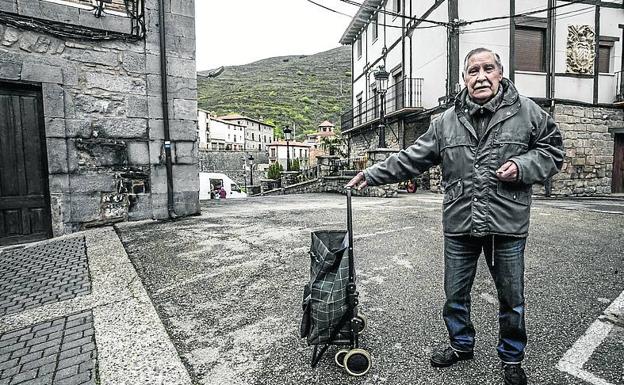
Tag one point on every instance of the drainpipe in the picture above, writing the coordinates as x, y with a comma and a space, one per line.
165, 107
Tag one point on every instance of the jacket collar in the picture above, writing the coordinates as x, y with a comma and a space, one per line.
504, 111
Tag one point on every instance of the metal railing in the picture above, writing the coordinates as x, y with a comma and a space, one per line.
407, 93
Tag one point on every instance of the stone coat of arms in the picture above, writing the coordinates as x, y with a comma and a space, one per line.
581, 49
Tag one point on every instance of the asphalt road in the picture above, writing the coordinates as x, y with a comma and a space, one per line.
228, 287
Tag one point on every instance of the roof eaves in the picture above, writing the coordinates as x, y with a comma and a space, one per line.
360, 19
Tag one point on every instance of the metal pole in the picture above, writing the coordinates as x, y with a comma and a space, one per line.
382, 127
251, 174
287, 157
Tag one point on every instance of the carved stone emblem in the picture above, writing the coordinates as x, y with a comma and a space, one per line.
581, 49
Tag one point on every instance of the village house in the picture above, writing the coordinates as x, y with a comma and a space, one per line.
219, 135
325, 133
280, 151
258, 134
89, 132
565, 55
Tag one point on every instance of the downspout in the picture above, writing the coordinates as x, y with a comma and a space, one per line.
553, 33
165, 108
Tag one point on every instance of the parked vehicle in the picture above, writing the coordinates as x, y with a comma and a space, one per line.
210, 183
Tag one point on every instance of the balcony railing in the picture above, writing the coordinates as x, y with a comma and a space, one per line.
406, 93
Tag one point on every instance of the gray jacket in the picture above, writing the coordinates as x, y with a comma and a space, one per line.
475, 201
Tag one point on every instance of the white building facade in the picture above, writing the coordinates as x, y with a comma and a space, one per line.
258, 134
565, 55
219, 135
281, 152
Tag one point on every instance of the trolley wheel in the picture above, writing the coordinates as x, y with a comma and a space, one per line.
362, 322
357, 362
340, 356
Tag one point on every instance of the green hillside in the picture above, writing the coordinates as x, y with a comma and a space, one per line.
304, 90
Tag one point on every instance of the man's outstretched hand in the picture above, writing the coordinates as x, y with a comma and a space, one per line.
358, 181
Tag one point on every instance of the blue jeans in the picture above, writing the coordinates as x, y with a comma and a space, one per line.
505, 257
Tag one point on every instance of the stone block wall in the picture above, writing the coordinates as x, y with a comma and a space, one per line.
231, 164
103, 118
588, 143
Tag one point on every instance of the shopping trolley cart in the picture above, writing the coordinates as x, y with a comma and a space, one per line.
330, 300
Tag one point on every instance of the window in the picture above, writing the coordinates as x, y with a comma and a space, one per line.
253, 137
359, 47
604, 53
272, 152
397, 6
375, 27
259, 147
300, 153
530, 45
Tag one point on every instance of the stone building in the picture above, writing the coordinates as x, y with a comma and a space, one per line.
565, 55
88, 133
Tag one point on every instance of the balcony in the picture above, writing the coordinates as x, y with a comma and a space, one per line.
404, 96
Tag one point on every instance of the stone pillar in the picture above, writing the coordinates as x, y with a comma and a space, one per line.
377, 156
289, 178
327, 164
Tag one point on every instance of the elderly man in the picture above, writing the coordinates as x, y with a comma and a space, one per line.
493, 145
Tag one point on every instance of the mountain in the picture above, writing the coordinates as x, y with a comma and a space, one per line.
286, 90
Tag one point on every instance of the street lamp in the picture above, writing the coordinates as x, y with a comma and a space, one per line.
288, 137
381, 81
251, 158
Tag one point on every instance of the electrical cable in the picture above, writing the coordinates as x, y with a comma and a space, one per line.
523, 14
64, 30
561, 16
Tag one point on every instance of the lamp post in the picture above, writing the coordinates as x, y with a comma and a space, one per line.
251, 158
287, 136
381, 81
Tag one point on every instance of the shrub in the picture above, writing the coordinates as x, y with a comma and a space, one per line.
275, 171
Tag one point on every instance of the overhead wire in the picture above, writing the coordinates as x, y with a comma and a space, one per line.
561, 16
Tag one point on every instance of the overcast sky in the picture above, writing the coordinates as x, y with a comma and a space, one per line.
233, 32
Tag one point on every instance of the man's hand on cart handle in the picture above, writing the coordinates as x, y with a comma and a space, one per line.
358, 181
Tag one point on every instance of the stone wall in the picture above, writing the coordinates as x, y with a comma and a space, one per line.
231, 164
588, 143
103, 117
334, 184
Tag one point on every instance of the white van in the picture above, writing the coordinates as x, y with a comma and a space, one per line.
210, 181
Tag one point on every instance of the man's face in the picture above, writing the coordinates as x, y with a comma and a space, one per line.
482, 77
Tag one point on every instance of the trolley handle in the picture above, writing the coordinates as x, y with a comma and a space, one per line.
350, 233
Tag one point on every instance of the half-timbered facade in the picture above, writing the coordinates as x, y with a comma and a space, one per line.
566, 55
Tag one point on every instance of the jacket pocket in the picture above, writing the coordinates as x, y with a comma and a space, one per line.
514, 192
452, 191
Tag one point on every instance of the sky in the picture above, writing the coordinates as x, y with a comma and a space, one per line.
234, 32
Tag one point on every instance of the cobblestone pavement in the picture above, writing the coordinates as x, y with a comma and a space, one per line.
59, 351
228, 287
42, 274
72, 311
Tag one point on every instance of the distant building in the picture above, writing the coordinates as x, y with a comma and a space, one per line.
565, 55
82, 115
325, 130
257, 133
278, 153
219, 135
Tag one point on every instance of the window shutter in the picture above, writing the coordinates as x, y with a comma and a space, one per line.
604, 53
529, 52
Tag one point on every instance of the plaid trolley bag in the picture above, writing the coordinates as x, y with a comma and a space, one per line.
330, 313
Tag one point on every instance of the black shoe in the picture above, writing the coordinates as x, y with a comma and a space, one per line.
441, 358
514, 374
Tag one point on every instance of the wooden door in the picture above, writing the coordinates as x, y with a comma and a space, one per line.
618, 164
24, 195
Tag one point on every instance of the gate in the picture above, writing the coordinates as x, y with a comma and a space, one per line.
24, 195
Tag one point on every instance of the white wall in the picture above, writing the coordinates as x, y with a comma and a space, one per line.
202, 128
